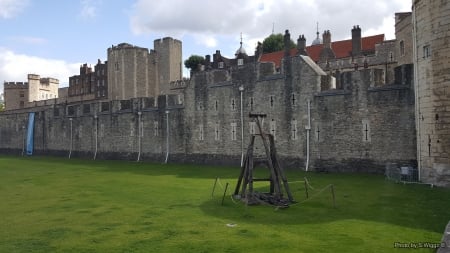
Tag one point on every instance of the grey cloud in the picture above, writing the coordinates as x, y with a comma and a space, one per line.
255, 18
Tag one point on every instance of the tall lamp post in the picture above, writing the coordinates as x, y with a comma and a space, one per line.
241, 90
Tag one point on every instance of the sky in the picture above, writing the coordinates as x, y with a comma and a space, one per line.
53, 38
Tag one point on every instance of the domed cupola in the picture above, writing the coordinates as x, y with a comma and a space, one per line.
317, 40
241, 51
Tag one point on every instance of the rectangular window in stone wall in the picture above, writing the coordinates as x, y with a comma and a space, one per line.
148, 102
102, 130
233, 131
366, 130
216, 105
105, 107
273, 128
132, 130
125, 105
180, 99
217, 132
71, 110
294, 130
233, 104
251, 103
155, 128
200, 132
402, 48
426, 51
272, 101
80, 132
318, 133
252, 127
86, 109
56, 112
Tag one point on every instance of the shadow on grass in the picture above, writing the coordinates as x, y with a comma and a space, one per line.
412, 206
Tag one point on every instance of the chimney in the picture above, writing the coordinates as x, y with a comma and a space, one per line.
207, 61
356, 41
217, 57
287, 43
301, 45
326, 38
258, 51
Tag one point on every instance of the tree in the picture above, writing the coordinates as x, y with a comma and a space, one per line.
2, 106
275, 42
193, 61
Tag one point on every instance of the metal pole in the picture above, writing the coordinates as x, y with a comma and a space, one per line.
308, 128
167, 136
96, 136
241, 90
417, 97
139, 137
71, 138
23, 140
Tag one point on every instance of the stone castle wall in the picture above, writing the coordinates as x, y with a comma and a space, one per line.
357, 128
431, 20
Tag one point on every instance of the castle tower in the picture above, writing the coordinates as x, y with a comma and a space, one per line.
130, 72
169, 54
431, 26
15, 95
33, 87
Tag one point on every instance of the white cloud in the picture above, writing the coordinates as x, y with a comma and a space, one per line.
89, 8
15, 67
11, 8
256, 18
28, 40
206, 40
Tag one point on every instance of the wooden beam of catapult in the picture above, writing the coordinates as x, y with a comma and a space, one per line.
278, 181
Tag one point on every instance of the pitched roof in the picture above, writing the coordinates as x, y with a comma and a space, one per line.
342, 49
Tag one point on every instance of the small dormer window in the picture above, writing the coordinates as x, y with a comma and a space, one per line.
402, 48
240, 62
221, 65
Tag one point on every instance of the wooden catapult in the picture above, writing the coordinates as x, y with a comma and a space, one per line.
278, 181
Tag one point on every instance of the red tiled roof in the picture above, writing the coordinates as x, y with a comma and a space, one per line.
341, 49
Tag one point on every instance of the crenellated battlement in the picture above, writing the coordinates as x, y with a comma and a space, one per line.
126, 46
179, 84
15, 85
166, 40
49, 80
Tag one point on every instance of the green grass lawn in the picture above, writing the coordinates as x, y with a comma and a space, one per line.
60, 205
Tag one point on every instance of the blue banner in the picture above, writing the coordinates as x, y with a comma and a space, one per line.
30, 133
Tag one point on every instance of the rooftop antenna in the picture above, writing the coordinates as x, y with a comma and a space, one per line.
273, 27
317, 29
241, 39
